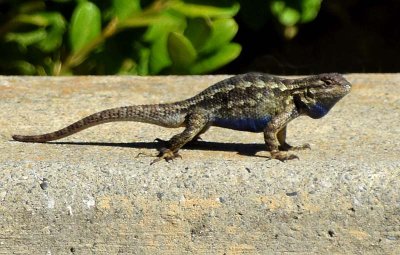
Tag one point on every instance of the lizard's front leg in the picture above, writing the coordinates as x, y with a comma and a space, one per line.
275, 133
195, 123
284, 146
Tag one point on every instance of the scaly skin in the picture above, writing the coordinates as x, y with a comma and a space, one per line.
252, 102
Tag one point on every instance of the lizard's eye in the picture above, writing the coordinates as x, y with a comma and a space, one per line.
328, 81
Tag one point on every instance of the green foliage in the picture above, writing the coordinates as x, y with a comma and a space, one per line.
58, 37
204, 46
118, 37
85, 25
289, 13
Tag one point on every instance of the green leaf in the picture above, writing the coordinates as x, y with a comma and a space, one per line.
144, 56
289, 13
85, 25
223, 31
48, 33
128, 67
33, 19
181, 51
24, 67
225, 55
287, 16
310, 9
197, 31
27, 38
159, 57
197, 10
55, 31
165, 23
125, 8
157, 35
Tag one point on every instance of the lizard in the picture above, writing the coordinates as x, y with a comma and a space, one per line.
253, 102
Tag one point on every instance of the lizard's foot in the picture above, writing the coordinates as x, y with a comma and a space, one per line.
288, 147
166, 154
282, 156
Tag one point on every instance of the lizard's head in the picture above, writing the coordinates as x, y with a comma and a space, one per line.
320, 93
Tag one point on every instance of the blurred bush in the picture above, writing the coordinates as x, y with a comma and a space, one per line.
59, 37
287, 14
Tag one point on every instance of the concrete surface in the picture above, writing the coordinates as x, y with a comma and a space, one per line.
95, 192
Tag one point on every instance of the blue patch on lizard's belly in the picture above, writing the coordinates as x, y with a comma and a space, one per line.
243, 124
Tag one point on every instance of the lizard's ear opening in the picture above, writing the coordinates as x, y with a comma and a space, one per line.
309, 94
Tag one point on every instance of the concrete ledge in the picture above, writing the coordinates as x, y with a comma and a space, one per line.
92, 194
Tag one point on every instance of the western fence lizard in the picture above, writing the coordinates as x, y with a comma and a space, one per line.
252, 102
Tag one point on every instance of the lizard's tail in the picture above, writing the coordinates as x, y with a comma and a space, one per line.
166, 115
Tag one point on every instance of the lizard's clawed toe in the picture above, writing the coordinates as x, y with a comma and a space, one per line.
166, 154
288, 147
283, 156
305, 146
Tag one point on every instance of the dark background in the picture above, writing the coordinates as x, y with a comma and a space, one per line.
347, 36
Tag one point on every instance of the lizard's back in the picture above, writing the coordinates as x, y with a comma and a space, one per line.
243, 102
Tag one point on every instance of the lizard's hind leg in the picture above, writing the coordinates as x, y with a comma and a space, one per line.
195, 123
197, 137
